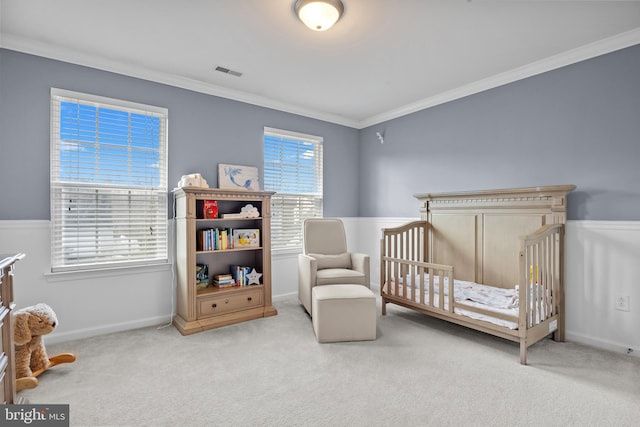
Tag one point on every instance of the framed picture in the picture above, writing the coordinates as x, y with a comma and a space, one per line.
246, 238
238, 177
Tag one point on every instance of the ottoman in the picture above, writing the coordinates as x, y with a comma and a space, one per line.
343, 313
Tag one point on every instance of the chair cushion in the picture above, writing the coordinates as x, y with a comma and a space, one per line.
343, 313
324, 236
332, 261
331, 276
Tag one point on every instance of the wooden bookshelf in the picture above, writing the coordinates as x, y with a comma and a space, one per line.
202, 309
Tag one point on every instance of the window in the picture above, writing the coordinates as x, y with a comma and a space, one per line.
293, 169
108, 182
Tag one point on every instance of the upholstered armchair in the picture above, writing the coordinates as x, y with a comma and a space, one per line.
326, 260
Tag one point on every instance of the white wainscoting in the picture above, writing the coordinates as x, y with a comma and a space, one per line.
88, 304
364, 234
602, 262
284, 274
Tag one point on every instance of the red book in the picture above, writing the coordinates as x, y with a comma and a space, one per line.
210, 209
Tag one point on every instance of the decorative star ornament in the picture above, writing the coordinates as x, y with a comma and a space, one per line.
254, 277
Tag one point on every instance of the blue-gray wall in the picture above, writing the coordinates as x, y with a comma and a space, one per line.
579, 125
576, 125
204, 130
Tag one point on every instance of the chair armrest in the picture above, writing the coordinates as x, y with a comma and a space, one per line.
360, 262
307, 269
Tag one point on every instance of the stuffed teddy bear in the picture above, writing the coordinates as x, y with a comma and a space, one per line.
30, 323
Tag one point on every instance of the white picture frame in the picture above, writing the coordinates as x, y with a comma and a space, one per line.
246, 238
237, 177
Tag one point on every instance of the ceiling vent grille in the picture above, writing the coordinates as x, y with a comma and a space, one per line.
228, 71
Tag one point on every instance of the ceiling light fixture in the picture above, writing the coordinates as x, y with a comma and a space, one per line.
319, 15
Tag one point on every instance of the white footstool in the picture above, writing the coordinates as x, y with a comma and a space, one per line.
343, 313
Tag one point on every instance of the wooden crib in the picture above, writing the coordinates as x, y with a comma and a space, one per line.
510, 239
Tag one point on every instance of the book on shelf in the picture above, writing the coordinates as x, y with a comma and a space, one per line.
224, 281
222, 285
210, 209
233, 215
224, 242
214, 239
239, 274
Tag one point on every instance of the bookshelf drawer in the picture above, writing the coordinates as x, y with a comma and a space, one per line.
214, 305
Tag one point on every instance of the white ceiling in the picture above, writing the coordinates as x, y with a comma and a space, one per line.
383, 58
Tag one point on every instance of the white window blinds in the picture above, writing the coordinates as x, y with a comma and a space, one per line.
108, 182
293, 169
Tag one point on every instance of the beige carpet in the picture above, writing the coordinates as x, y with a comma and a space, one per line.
419, 372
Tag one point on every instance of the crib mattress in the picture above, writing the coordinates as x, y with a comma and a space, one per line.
497, 300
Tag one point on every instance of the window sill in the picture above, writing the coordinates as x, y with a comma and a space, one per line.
106, 272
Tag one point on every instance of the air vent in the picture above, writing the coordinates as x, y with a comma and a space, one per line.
228, 71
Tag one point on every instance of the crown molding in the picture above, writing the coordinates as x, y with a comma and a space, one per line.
591, 50
601, 47
45, 50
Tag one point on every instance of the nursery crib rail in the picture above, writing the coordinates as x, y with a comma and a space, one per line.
540, 297
403, 251
541, 273
403, 270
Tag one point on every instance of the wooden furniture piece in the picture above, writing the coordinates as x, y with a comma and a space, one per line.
7, 349
212, 307
509, 239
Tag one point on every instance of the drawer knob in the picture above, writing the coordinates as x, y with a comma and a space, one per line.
226, 301
214, 305
248, 298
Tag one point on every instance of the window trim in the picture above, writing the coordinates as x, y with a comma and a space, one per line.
162, 187
302, 137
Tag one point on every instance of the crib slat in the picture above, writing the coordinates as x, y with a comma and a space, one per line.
539, 294
420, 279
394, 267
439, 288
553, 283
528, 296
547, 277
431, 303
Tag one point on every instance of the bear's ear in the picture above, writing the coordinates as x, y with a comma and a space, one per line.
22, 333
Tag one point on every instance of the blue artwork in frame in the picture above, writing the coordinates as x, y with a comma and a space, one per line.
237, 177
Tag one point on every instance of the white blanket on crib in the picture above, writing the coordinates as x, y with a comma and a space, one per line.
497, 300
470, 291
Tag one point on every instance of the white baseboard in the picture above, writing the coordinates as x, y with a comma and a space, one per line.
77, 334
283, 296
600, 343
